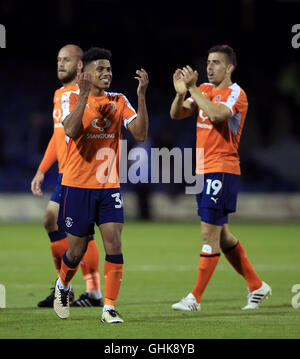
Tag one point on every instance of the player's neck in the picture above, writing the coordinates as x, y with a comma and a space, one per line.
67, 84
96, 91
70, 83
223, 84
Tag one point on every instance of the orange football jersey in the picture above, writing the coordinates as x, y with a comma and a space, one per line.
57, 147
220, 141
59, 132
93, 156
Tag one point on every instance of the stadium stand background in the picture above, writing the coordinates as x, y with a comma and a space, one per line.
158, 37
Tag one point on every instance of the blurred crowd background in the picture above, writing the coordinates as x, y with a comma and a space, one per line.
160, 37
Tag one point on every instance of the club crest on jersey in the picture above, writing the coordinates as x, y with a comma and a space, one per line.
101, 124
217, 99
112, 105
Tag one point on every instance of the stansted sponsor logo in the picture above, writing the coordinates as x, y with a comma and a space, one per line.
100, 136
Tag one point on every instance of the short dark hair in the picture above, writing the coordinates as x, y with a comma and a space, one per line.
227, 50
95, 53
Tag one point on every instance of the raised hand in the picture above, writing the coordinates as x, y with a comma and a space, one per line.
178, 82
189, 76
85, 82
143, 80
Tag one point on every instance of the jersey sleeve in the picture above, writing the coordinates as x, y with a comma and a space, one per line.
241, 105
236, 101
201, 88
50, 156
129, 113
68, 101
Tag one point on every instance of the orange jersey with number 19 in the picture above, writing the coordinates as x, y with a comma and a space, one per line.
220, 141
93, 156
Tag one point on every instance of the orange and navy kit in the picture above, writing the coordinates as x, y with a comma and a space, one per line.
57, 146
219, 144
90, 184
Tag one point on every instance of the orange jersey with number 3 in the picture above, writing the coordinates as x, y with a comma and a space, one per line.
93, 156
220, 141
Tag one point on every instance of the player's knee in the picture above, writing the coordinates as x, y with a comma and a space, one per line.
113, 244
227, 240
116, 245
76, 252
208, 237
212, 239
111, 235
49, 221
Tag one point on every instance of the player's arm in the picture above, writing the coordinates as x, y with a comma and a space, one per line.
215, 112
73, 122
180, 107
139, 126
49, 158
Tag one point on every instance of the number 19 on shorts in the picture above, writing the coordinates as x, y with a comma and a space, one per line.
213, 185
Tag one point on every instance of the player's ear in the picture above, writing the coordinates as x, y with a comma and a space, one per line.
79, 67
230, 68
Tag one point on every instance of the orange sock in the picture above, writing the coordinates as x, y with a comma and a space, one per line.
90, 267
113, 270
67, 271
207, 265
58, 248
237, 257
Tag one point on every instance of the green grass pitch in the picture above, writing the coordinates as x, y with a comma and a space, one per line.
161, 261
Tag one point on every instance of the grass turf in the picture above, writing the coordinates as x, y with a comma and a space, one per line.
161, 261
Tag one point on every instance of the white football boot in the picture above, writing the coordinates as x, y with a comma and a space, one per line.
111, 316
188, 303
257, 296
61, 303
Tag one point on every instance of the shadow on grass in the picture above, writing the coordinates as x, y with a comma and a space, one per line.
167, 302
202, 316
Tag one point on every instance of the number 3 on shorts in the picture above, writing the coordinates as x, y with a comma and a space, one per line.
118, 200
